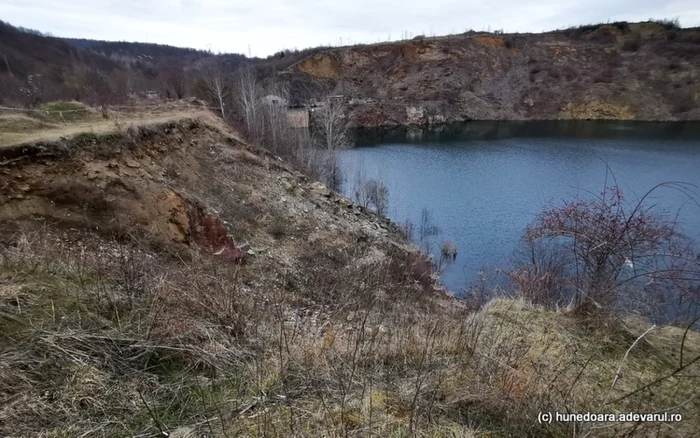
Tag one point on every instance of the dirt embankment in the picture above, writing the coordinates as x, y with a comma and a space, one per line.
183, 183
638, 71
115, 183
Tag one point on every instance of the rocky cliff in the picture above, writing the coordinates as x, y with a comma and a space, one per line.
639, 71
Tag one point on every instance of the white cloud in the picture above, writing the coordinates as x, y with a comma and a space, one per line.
277, 24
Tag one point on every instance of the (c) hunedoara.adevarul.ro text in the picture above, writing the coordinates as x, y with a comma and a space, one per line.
563, 417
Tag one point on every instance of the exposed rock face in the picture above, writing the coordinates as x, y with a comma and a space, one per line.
210, 233
108, 185
638, 72
414, 115
321, 65
187, 185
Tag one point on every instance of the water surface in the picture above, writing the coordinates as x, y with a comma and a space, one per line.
483, 182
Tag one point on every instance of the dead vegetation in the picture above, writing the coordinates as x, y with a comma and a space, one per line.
330, 324
112, 338
69, 119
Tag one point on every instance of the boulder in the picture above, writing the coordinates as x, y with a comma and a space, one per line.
320, 189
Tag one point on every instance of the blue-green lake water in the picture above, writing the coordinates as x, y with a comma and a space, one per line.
483, 182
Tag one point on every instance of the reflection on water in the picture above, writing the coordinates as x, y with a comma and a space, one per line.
497, 130
485, 181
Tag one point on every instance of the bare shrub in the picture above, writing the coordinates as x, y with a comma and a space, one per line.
606, 76
426, 230
377, 195
586, 250
174, 80
632, 43
99, 88
673, 24
448, 249
407, 229
448, 254
542, 278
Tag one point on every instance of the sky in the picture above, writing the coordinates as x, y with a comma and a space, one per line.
261, 28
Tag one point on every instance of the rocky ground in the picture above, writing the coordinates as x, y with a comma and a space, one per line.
637, 71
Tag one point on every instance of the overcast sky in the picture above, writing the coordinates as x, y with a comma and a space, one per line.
272, 25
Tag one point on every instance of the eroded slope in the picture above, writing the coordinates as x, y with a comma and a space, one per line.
639, 71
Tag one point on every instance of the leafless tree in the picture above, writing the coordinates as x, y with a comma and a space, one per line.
330, 126
97, 87
331, 135
372, 192
378, 195
33, 90
426, 229
175, 79
274, 120
119, 84
7, 65
249, 99
361, 194
215, 83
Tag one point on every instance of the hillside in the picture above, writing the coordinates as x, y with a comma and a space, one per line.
160, 277
630, 71
32, 64
136, 49
25, 52
636, 71
36, 68
158, 54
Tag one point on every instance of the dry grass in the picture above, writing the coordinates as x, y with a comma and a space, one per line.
111, 338
35, 126
21, 123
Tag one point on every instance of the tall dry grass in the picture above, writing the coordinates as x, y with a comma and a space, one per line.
113, 338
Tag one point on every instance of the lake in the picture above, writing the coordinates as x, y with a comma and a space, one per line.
483, 182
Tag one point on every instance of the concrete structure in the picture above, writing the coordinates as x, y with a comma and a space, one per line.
271, 99
298, 118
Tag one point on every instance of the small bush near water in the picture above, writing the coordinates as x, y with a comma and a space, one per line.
607, 255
